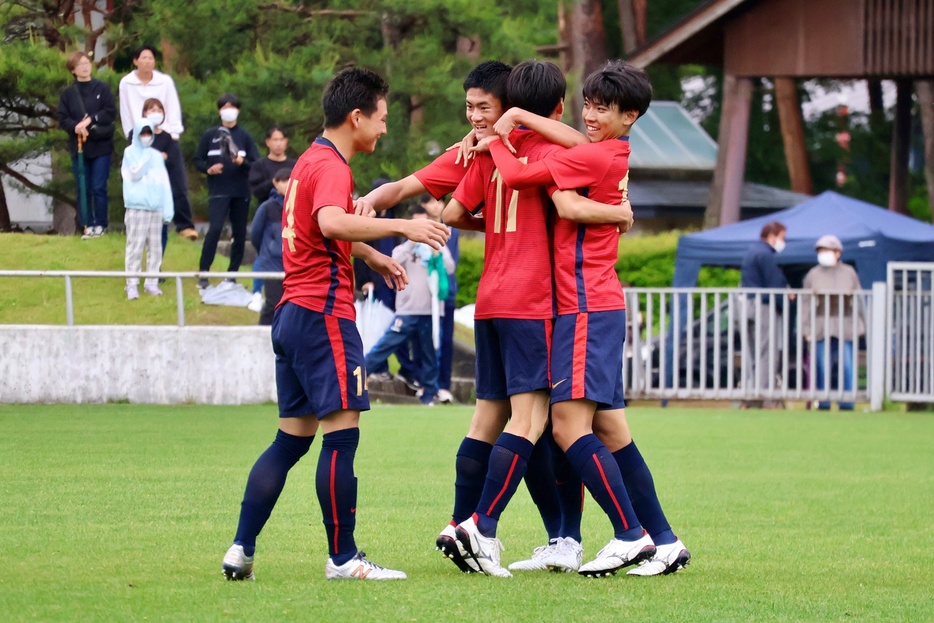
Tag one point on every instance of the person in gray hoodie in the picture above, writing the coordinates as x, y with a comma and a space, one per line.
147, 196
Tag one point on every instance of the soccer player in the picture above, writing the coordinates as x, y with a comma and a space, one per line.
485, 92
514, 308
590, 328
320, 376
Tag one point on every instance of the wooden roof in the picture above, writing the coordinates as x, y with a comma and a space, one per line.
802, 38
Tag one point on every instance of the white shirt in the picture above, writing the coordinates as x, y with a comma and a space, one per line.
133, 93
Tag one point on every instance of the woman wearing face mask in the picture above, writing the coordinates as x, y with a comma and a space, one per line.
147, 195
154, 112
831, 339
225, 155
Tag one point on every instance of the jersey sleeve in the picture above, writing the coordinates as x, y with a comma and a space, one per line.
517, 174
578, 167
442, 175
333, 186
471, 190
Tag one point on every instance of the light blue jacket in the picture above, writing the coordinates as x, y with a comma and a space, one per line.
145, 179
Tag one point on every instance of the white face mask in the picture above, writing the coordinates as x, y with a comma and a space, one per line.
827, 258
779, 245
155, 118
229, 115
146, 141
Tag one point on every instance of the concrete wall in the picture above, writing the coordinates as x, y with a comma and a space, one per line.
151, 365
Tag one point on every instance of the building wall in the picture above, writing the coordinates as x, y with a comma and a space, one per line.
150, 365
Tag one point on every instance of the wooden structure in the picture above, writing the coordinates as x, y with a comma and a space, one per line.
789, 40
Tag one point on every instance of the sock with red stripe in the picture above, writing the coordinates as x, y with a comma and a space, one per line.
600, 473
540, 481
570, 493
337, 491
508, 463
265, 483
473, 459
641, 488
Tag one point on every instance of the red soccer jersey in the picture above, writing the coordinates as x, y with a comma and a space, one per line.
585, 255
516, 279
442, 175
318, 271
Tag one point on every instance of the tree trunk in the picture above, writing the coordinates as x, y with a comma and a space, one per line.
5, 224
632, 15
587, 47
925, 92
901, 144
723, 207
792, 125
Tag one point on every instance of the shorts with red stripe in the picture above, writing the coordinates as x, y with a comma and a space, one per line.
512, 356
587, 358
319, 363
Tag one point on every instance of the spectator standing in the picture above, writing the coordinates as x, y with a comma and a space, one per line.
146, 82
433, 208
147, 195
86, 108
225, 155
413, 312
827, 281
263, 170
760, 270
266, 235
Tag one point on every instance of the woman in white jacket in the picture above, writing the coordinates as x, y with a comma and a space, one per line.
147, 196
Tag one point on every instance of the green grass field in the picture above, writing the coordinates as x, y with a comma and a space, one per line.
123, 512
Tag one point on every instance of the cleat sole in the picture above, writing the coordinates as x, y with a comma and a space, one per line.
682, 561
449, 549
646, 553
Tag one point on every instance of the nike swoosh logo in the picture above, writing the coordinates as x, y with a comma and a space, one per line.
554, 385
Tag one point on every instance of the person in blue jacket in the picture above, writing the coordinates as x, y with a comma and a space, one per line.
266, 236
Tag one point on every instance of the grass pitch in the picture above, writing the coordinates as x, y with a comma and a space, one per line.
123, 512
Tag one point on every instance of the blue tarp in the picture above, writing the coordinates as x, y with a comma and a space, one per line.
871, 236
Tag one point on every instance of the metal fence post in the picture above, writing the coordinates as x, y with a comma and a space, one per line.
878, 356
180, 301
69, 303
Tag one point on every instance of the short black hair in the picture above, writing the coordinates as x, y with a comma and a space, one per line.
489, 76
417, 210
142, 49
228, 98
282, 175
425, 198
771, 229
350, 89
276, 128
619, 83
536, 86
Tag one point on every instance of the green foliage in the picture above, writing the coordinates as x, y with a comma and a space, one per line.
468, 270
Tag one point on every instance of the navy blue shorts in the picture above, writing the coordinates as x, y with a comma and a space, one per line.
319, 363
587, 358
512, 357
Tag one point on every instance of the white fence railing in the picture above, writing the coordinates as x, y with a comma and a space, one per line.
910, 352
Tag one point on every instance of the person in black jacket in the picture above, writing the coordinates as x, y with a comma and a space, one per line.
264, 169
225, 155
86, 108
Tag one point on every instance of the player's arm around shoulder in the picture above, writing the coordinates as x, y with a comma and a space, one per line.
455, 214
337, 224
575, 207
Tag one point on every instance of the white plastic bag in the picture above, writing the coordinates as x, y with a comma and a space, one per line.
373, 320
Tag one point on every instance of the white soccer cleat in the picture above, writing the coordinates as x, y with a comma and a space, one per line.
667, 559
451, 548
567, 557
540, 559
484, 550
445, 397
237, 565
256, 303
359, 568
618, 554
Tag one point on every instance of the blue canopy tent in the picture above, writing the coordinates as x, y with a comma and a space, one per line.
871, 236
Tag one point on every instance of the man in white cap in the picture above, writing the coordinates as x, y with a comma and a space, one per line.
831, 335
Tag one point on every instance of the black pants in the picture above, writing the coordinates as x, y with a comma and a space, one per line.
182, 218
273, 289
218, 210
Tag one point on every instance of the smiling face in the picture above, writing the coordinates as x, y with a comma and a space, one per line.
145, 63
606, 122
483, 110
368, 129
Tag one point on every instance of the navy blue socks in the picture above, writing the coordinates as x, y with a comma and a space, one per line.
570, 493
508, 463
600, 473
267, 478
337, 492
540, 481
641, 488
473, 459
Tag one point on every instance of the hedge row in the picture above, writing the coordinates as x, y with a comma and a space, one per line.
645, 261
